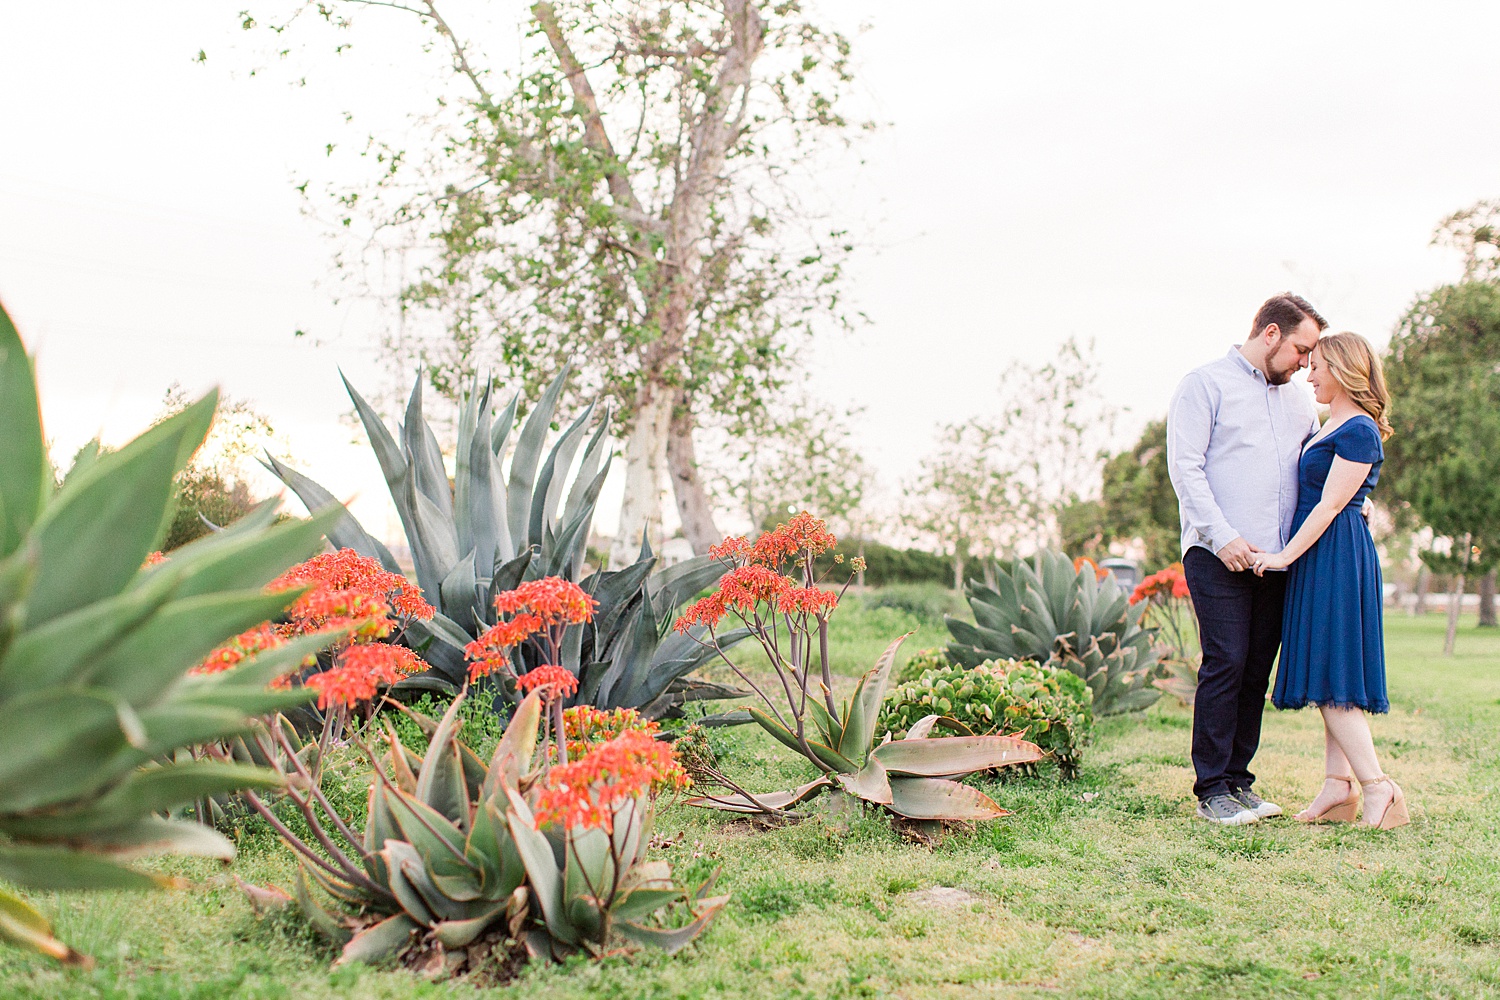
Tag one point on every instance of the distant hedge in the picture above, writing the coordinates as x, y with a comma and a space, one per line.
885, 564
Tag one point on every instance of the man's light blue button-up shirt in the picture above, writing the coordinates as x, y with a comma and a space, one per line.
1233, 443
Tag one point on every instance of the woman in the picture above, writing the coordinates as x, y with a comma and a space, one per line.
1332, 653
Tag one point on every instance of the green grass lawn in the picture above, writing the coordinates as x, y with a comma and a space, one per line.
1103, 887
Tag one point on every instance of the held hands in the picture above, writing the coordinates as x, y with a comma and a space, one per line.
1269, 560
1238, 555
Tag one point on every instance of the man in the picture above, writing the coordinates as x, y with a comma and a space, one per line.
1235, 432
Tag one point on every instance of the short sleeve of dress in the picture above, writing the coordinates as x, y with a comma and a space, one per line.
1359, 442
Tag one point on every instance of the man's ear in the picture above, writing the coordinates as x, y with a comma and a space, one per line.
1270, 333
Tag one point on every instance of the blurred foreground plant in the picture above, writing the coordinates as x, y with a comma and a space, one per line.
96, 642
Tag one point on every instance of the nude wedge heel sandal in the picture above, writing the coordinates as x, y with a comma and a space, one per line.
1395, 811
1340, 812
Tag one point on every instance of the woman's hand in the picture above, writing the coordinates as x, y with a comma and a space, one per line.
1269, 560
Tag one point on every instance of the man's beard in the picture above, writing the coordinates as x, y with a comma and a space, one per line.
1279, 376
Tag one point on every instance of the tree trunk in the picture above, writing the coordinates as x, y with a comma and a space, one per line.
1455, 599
1419, 604
645, 468
1487, 600
713, 132
958, 570
692, 499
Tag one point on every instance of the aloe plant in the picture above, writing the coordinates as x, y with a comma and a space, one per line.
914, 777
910, 777
489, 532
94, 649
451, 851
1043, 609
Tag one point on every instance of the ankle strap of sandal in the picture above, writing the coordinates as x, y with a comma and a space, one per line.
1375, 781
1341, 777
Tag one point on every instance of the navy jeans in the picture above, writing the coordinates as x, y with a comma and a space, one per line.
1239, 628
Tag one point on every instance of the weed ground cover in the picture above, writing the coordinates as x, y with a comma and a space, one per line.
1101, 888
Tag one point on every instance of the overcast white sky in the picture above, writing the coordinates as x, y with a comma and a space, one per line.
1140, 174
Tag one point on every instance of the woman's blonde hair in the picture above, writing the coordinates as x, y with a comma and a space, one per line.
1354, 365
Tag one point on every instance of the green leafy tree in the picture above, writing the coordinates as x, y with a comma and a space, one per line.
1055, 427
1441, 464
801, 457
1136, 501
1475, 233
962, 501
620, 202
1001, 484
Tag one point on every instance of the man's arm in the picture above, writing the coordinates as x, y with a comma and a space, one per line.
1190, 423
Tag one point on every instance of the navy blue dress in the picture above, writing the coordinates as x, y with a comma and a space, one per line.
1332, 644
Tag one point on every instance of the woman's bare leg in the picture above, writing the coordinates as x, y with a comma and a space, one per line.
1351, 730
1333, 791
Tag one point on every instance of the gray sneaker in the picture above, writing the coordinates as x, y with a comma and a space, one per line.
1256, 804
1226, 810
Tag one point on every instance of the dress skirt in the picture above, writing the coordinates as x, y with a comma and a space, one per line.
1332, 644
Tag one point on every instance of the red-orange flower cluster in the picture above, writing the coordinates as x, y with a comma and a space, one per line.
153, 559
348, 593
551, 598
1083, 561
735, 547
553, 681
801, 537
586, 727
361, 671
804, 536
807, 601
1162, 586
585, 793
537, 607
348, 587
752, 584
239, 649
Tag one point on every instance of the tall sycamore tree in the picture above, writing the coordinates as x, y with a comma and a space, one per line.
626, 201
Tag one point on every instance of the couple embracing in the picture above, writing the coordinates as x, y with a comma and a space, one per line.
1277, 554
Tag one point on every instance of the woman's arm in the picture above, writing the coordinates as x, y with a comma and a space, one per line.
1344, 480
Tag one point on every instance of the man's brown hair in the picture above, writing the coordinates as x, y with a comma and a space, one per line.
1287, 311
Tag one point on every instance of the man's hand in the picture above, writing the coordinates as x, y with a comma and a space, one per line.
1366, 509
1238, 555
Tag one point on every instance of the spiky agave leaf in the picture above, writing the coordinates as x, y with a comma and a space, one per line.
1042, 609
495, 531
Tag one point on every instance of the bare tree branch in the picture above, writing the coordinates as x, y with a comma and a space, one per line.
583, 92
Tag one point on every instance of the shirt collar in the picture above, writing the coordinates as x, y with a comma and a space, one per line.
1245, 365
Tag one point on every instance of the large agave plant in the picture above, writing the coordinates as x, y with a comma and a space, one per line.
451, 850
488, 532
94, 650
1043, 609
